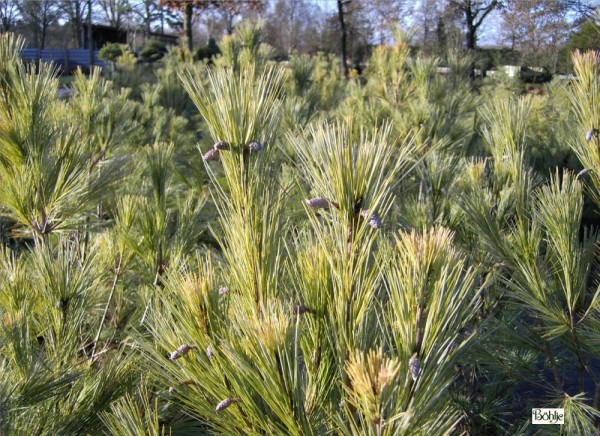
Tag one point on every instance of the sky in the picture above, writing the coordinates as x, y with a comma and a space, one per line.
490, 30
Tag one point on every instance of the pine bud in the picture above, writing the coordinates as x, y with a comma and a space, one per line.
373, 218
255, 146
590, 134
226, 403
209, 352
181, 351
223, 290
375, 222
301, 310
210, 155
221, 145
318, 203
414, 366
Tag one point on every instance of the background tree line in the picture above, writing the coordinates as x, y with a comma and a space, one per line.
537, 33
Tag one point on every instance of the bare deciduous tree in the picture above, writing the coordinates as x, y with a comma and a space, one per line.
74, 10
539, 28
343, 34
293, 25
38, 15
228, 9
474, 13
428, 16
115, 11
8, 15
146, 13
387, 16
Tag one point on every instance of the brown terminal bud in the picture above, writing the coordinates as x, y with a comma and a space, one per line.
414, 366
318, 203
210, 155
181, 351
590, 134
301, 310
221, 145
494, 210
372, 218
226, 403
255, 146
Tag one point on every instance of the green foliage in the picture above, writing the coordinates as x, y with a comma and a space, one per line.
242, 110
583, 95
48, 183
152, 50
431, 298
245, 47
208, 52
305, 254
49, 309
586, 38
128, 73
128, 416
111, 51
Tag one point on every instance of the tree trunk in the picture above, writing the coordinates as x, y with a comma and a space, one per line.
340, 5
188, 26
162, 21
44, 24
441, 41
147, 22
230, 24
43, 38
89, 35
76, 21
471, 38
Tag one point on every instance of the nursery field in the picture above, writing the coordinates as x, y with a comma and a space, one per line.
244, 246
